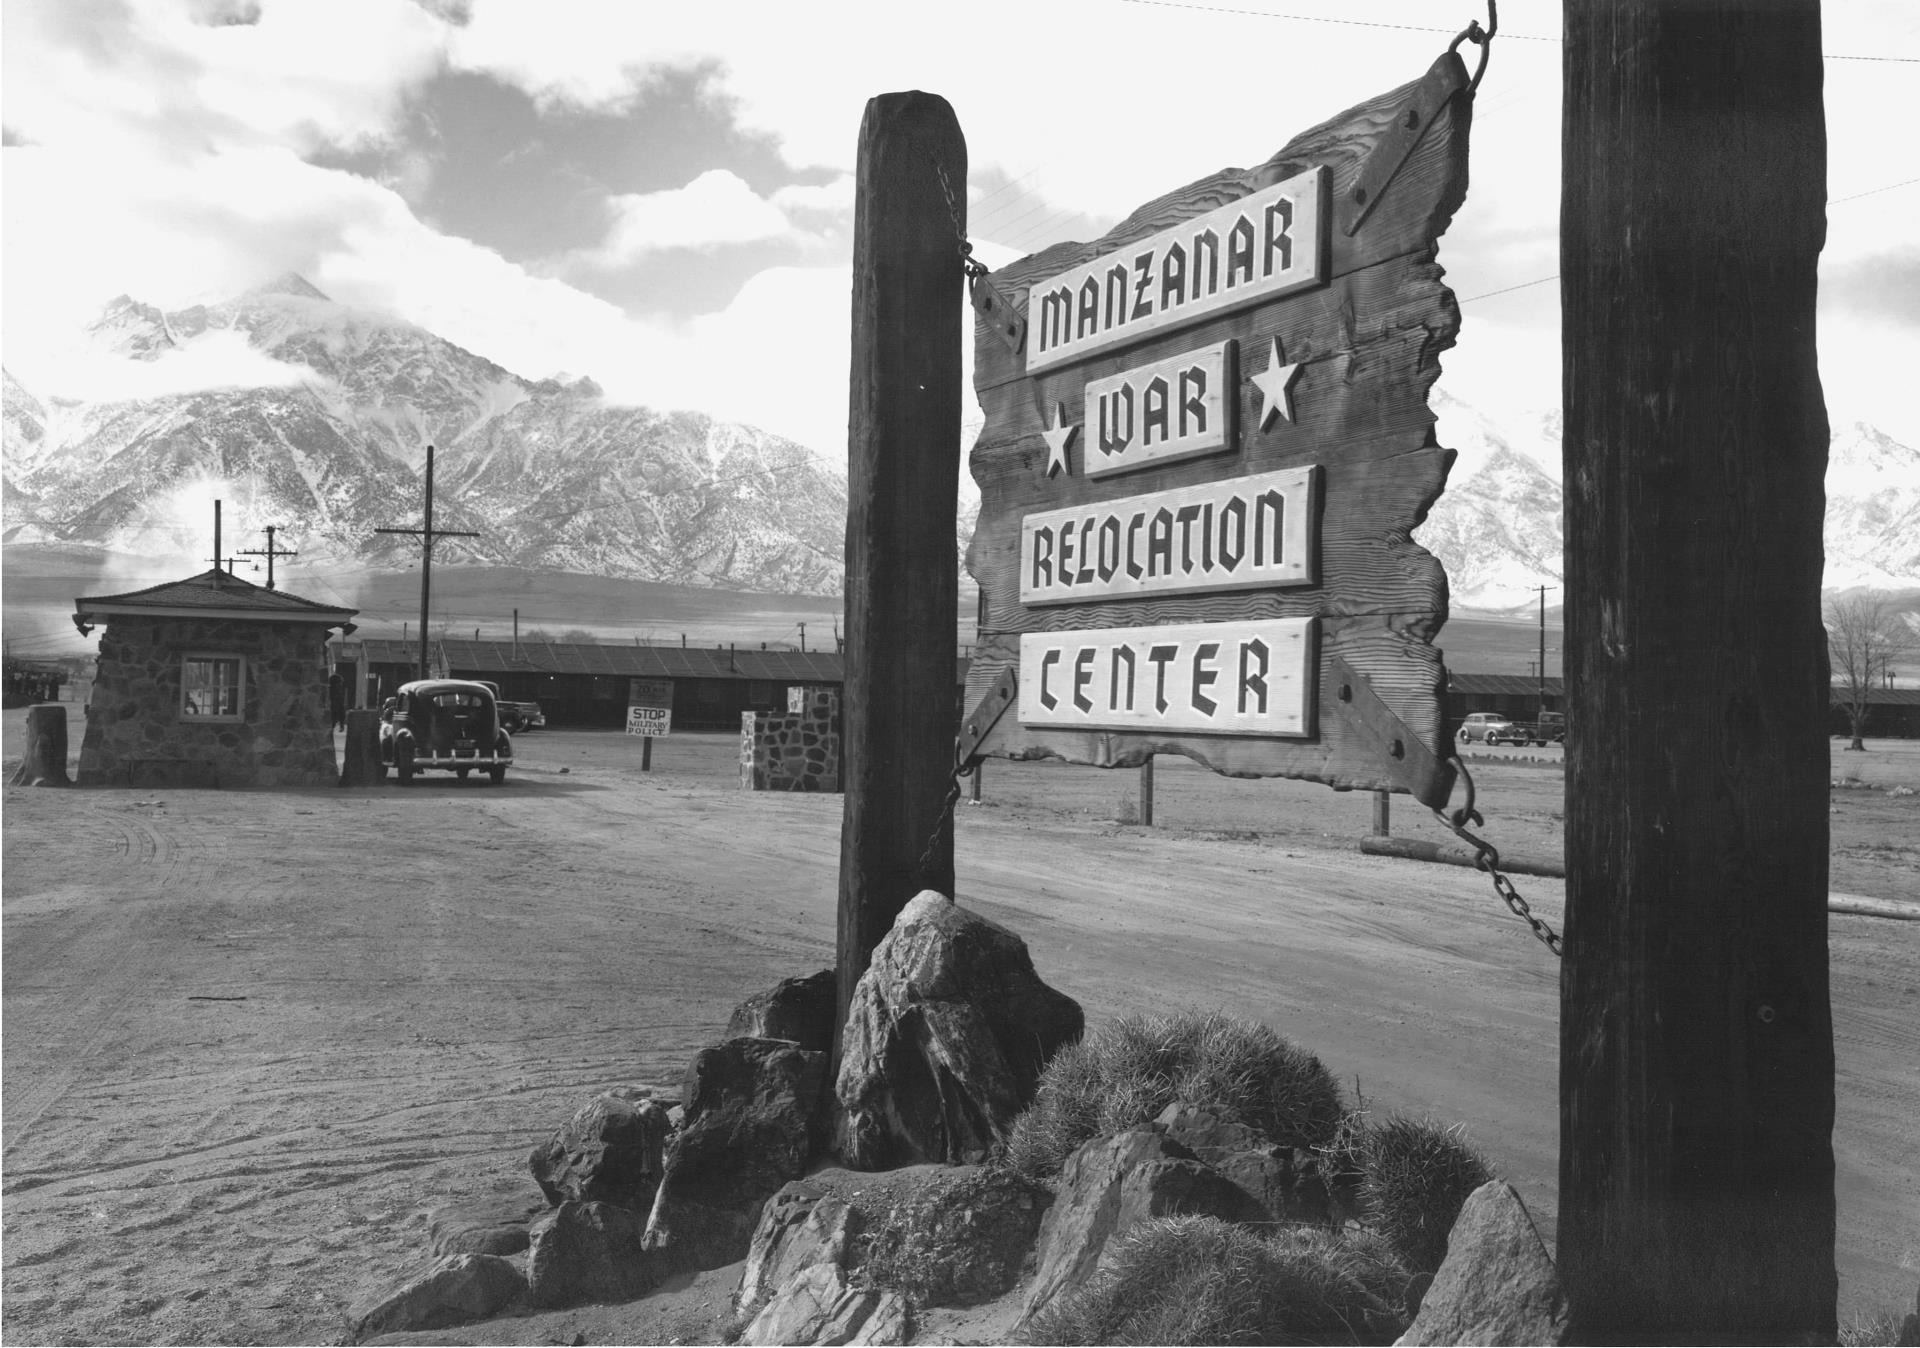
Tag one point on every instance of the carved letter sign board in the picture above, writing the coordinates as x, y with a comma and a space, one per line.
1200, 476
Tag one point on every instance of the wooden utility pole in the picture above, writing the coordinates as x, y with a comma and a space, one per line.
1696, 1042
426, 534
903, 469
269, 552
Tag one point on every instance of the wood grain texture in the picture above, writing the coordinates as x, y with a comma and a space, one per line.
902, 496
1370, 342
1696, 1037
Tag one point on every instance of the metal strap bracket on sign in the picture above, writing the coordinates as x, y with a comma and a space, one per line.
1412, 764
1007, 323
1446, 77
986, 714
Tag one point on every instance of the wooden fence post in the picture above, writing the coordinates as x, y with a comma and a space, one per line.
1146, 791
1696, 1041
903, 471
1382, 814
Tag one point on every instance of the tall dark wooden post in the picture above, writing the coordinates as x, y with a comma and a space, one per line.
903, 470
1696, 1088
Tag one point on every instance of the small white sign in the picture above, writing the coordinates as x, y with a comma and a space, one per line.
1173, 409
650, 692
1253, 677
649, 720
1239, 534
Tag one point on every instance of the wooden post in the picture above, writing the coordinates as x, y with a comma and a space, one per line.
1146, 791
1382, 814
45, 763
646, 753
903, 470
1696, 1040
360, 759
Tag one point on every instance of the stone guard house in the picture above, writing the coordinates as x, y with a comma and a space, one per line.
209, 681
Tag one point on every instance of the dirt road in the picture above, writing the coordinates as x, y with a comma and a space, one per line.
252, 1037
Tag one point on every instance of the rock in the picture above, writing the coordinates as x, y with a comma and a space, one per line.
496, 1224
589, 1252
800, 1009
752, 1123
1497, 1284
957, 1236
817, 1306
945, 1040
608, 1152
801, 1226
1286, 1181
1111, 1183
455, 1291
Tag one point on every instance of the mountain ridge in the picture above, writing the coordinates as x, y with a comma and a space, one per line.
551, 476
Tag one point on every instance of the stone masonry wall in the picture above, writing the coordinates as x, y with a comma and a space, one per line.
794, 750
135, 733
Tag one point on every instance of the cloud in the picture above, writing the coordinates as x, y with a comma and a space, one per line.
715, 209
217, 360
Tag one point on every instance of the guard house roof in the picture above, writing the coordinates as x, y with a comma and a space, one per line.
638, 662
212, 594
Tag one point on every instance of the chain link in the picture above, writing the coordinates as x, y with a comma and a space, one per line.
1487, 858
968, 263
924, 869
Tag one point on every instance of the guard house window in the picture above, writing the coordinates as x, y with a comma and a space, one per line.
212, 687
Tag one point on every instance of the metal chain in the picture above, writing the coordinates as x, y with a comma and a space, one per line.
1487, 858
1481, 38
924, 868
968, 263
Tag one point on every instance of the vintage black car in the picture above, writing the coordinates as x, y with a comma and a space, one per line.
444, 723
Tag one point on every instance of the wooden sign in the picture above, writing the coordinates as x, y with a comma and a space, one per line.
652, 721
1266, 244
650, 707
1244, 533
1173, 409
1201, 477
1253, 678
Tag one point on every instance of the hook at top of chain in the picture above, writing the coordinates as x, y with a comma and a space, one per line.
1481, 38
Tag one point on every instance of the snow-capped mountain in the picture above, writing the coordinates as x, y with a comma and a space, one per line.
547, 473
322, 428
1497, 527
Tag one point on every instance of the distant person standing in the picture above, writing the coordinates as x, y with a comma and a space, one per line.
337, 699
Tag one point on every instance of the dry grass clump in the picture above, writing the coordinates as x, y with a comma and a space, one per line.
1190, 1280
1414, 1177
1121, 1075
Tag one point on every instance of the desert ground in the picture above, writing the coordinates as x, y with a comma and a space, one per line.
252, 1038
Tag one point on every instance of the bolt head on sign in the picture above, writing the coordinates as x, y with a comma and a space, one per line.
1238, 518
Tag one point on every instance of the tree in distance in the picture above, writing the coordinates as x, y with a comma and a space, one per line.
1866, 635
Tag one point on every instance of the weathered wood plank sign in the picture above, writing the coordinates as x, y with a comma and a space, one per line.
1200, 476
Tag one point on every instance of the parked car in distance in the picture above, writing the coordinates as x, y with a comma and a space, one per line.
516, 716
448, 724
1488, 726
1551, 728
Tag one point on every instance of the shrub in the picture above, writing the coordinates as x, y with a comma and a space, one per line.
1414, 1177
1121, 1076
1185, 1280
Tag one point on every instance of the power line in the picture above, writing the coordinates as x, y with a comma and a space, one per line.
1416, 28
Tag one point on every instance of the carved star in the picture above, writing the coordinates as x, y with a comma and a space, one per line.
1058, 437
1276, 386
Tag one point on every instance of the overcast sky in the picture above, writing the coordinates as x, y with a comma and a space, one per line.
660, 195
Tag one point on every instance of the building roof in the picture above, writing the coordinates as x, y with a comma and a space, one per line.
637, 662
211, 594
1499, 685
